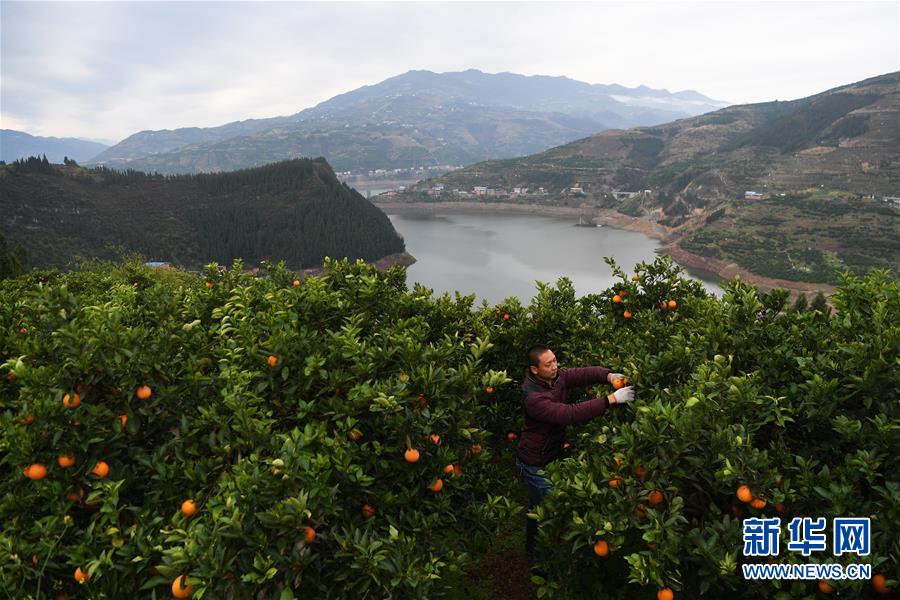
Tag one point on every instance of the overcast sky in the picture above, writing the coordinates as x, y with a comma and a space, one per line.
107, 70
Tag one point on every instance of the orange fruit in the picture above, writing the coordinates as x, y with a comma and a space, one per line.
209, 284
506, 317
435, 438
354, 435
623, 293
296, 282
655, 497
641, 511
448, 469
143, 392
179, 590
188, 508
35, 472
758, 503
672, 304
124, 419
780, 507
272, 361
566, 445
368, 511
475, 449
619, 383
635, 277
309, 535
101, 469
498, 311
601, 548
616, 482
665, 594
437, 486
457, 470
66, 460
411, 455
511, 436
81, 576
616, 299
744, 494
26, 421
825, 587
71, 401
627, 314
489, 390
878, 584
641, 472
75, 495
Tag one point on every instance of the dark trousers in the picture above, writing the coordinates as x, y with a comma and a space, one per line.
537, 486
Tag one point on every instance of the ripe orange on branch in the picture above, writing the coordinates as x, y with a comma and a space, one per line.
744, 494
81, 576
101, 469
825, 587
616, 299
143, 392
879, 585
655, 497
35, 472
619, 382
272, 361
66, 460
368, 511
188, 508
179, 590
411, 455
437, 486
71, 401
665, 594
309, 535
601, 548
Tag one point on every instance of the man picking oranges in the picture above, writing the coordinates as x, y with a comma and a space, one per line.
545, 400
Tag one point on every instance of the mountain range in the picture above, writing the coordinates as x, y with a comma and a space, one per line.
416, 119
846, 138
18, 144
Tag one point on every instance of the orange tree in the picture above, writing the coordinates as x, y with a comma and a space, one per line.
800, 406
239, 435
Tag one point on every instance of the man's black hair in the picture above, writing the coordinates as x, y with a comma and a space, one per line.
533, 356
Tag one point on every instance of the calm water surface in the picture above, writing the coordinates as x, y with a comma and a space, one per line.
497, 256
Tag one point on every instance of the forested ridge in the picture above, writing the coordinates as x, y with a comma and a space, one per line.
295, 210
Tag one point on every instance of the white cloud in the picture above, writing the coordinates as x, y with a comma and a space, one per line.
111, 69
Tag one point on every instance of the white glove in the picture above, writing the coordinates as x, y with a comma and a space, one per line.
624, 395
613, 376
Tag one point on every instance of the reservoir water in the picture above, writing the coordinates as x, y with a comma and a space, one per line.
497, 256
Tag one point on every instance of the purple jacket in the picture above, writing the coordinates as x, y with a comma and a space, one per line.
547, 412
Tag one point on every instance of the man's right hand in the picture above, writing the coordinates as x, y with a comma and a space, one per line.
623, 395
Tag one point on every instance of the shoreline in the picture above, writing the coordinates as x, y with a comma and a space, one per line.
608, 217
382, 264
